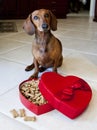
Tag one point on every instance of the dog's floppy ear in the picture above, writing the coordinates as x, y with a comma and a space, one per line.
28, 26
53, 22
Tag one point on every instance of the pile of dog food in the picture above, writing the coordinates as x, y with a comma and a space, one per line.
31, 91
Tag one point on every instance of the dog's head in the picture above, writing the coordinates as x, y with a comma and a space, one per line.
42, 20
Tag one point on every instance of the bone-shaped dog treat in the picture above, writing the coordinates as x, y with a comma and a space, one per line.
22, 113
14, 113
29, 118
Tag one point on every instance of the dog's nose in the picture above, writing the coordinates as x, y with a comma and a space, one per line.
44, 26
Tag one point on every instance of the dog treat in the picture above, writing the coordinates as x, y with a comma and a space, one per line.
31, 91
29, 118
22, 112
14, 113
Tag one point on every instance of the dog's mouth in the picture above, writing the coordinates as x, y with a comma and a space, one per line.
43, 30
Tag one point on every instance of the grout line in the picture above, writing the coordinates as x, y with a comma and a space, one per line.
11, 60
25, 42
9, 90
10, 34
86, 79
18, 47
82, 52
71, 37
18, 121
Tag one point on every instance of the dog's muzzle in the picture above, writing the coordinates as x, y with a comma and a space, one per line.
45, 26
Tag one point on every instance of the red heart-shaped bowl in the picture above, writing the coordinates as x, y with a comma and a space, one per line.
70, 94
38, 110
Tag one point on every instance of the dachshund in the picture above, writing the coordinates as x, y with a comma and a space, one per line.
47, 49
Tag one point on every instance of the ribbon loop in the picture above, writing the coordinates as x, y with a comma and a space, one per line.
68, 92
80, 84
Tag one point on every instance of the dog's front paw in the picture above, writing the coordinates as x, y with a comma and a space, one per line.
41, 69
29, 67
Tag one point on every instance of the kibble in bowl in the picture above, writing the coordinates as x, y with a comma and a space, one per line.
32, 98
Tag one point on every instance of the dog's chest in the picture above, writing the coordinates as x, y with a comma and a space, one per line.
42, 54
41, 48
40, 51
43, 51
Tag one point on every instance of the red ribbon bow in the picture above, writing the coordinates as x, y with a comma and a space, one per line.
68, 92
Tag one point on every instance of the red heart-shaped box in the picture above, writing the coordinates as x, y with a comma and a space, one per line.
38, 110
68, 94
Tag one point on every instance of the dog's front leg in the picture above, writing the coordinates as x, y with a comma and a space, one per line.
55, 66
29, 67
36, 65
55, 69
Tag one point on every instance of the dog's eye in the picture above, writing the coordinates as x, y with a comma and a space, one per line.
35, 17
46, 15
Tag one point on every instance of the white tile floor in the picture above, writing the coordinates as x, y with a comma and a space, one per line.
79, 40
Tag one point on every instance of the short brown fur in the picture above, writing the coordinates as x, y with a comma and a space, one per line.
47, 49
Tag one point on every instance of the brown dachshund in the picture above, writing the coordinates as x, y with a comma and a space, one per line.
47, 49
